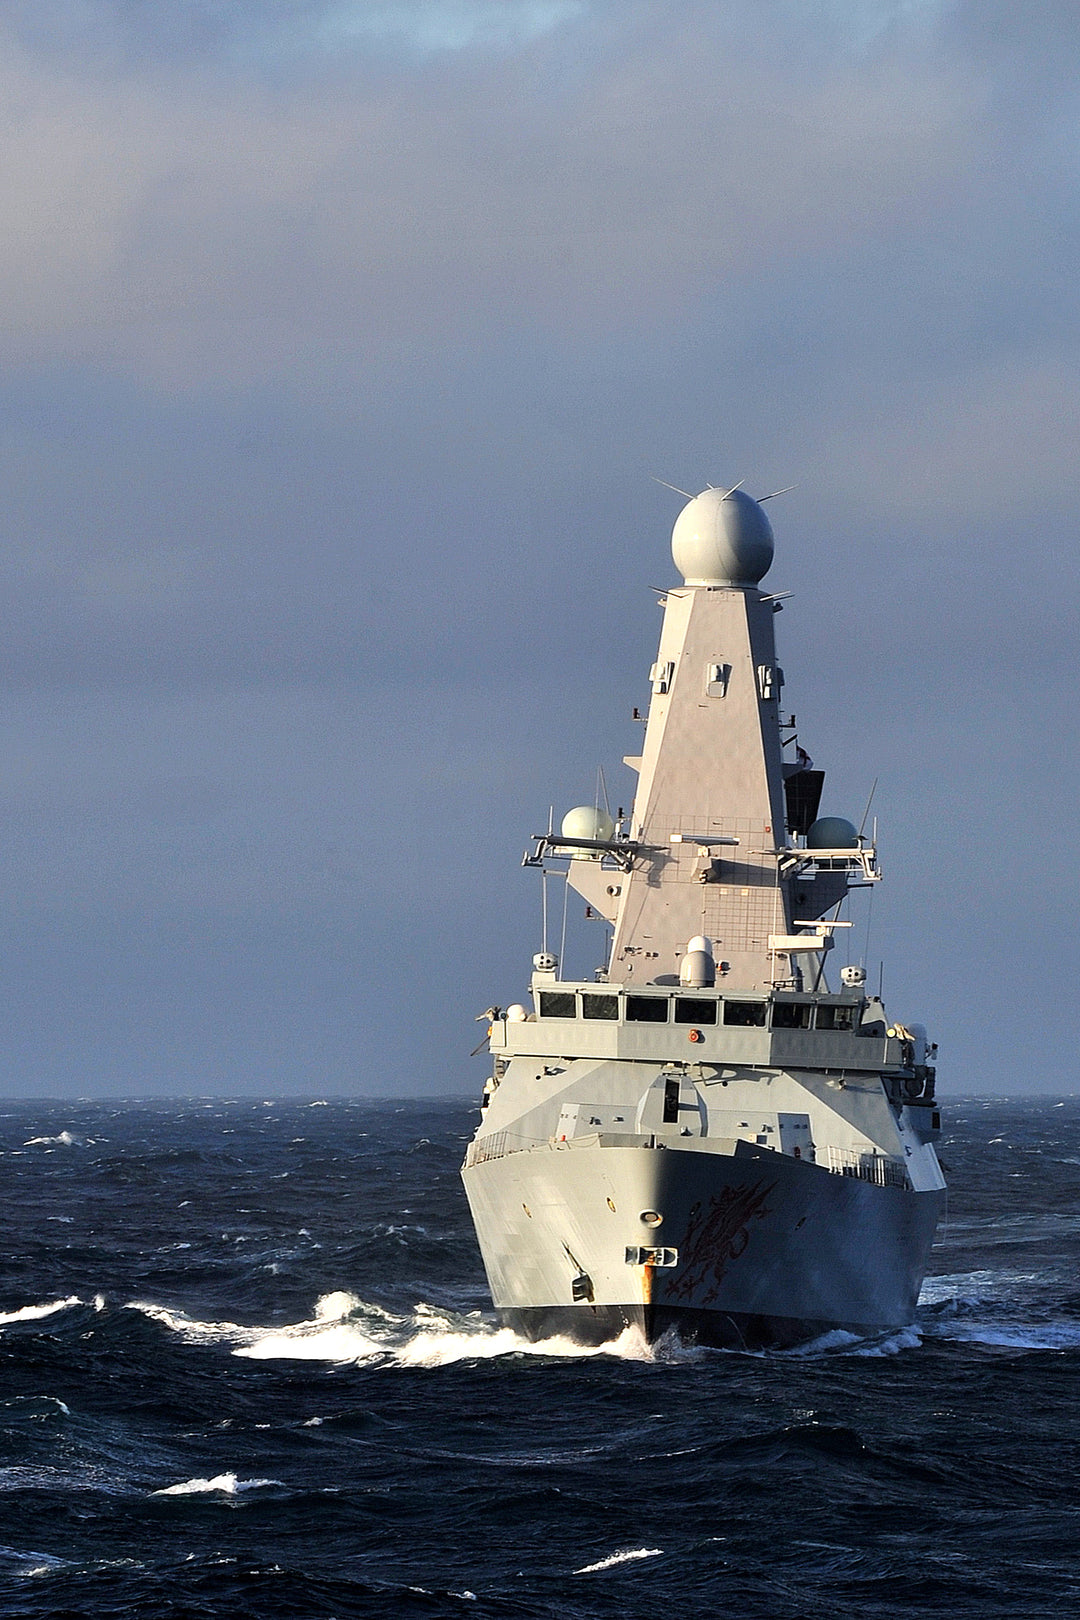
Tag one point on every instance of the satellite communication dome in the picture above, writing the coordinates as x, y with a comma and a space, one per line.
585, 821
722, 538
832, 832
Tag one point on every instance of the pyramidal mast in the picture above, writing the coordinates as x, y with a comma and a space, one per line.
712, 1076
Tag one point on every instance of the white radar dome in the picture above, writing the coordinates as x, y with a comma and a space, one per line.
722, 538
585, 821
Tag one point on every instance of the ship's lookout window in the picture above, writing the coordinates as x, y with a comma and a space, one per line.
791, 1015
558, 1004
594, 1006
836, 1018
689, 1010
646, 1009
745, 1013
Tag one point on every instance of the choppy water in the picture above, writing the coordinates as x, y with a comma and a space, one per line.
246, 1370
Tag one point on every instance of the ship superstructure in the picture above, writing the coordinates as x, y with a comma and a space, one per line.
713, 1134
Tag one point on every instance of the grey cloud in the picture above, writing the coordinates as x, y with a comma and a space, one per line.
202, 226
334, 380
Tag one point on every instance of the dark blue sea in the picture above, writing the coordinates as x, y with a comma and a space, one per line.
247, 1369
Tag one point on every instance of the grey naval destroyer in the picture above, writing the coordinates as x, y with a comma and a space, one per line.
711, 1135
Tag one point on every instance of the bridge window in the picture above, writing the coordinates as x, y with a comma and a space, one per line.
746, 1013
646, 1009
594, 1006
791, 1015
836, 1018
558, 1004
688, 1010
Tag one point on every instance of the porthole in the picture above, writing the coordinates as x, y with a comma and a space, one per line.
611, 1205
651, 1217
527, 1210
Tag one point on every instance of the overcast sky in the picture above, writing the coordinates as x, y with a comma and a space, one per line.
338, 343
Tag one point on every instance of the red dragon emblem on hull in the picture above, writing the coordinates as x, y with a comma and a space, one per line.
714, 1238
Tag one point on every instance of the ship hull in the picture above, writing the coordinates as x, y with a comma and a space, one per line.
752, 1247
599, 1325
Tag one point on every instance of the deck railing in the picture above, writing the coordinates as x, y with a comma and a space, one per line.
877, 1168
497, 1146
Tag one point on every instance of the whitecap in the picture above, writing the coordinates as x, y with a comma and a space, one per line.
190, 1327
30, 1400
628, 1557
34, 1313
227, 1484
65, 1139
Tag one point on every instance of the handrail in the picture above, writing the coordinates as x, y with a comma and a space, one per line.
877, 1168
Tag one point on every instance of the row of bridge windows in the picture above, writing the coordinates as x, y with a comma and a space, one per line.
697, 1010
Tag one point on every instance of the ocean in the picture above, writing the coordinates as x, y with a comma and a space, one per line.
247, 1368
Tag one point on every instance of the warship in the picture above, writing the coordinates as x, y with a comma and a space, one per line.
711, 1136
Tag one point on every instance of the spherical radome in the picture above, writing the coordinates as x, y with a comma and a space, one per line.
832, 832
722, 539
585, 821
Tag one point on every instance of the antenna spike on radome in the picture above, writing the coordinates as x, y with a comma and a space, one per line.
785, 491
733, 488
674, 487
601, 789
866, 812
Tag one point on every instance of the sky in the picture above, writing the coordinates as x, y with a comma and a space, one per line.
341, 346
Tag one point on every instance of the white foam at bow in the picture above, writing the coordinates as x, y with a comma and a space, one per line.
344, 1328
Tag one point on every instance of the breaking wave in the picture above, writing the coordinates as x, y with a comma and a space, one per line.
224, 1484
34, 1313
613, 1559
65, 1139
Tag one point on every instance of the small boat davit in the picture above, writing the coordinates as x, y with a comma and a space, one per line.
712, 1135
